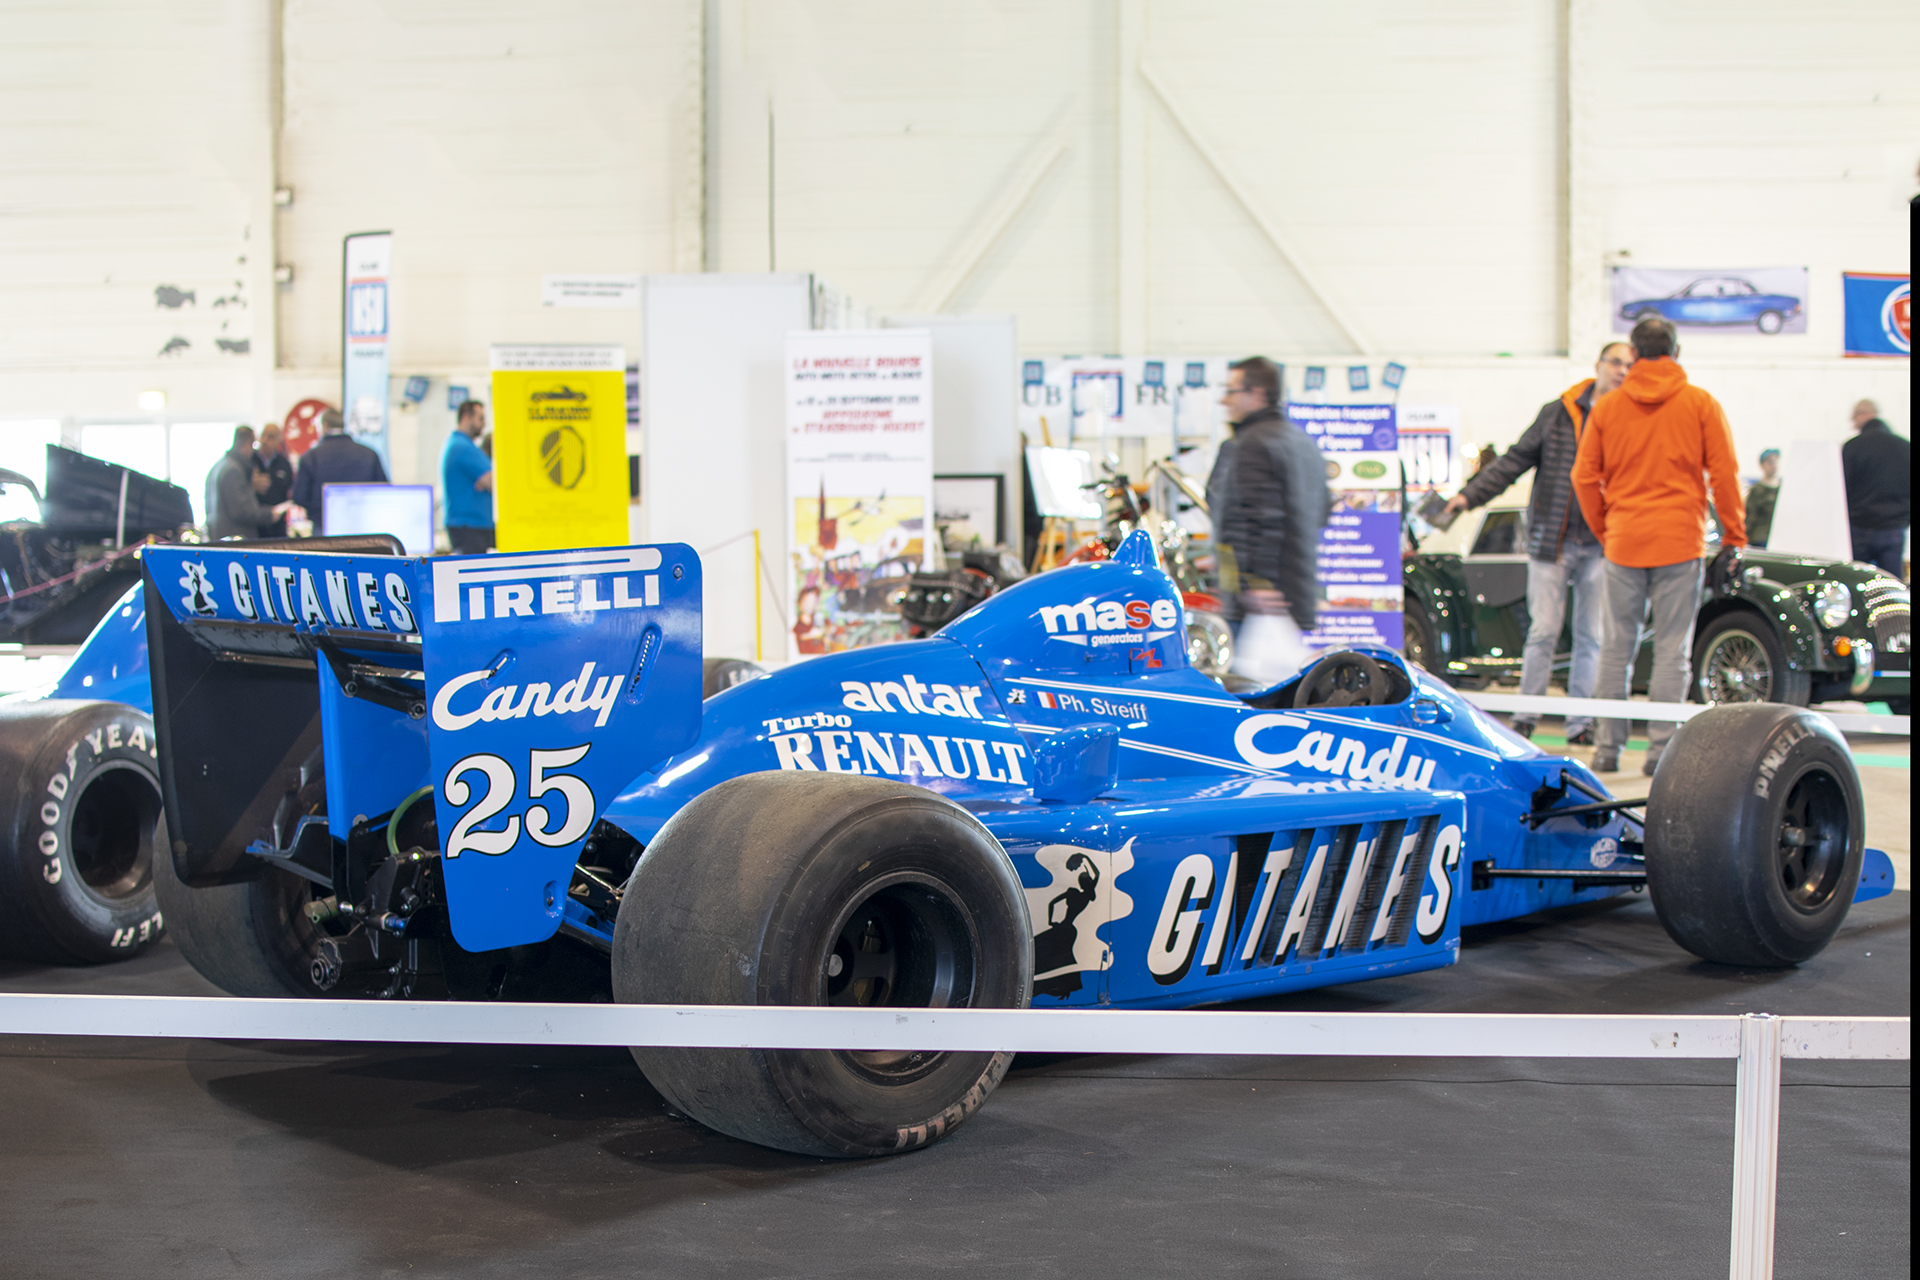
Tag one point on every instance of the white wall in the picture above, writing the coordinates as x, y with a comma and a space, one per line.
1443, 185
134, 144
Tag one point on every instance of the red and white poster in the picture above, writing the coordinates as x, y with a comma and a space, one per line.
859, 482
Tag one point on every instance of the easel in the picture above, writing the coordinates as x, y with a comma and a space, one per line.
1056, 532
1051, 550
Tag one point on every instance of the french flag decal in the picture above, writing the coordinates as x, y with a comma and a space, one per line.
1049, 700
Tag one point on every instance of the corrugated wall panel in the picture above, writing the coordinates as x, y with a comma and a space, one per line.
498, 143
133, 162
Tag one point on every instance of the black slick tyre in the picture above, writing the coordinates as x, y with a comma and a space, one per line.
789, 889
79, 816
1737, 658
1755, 835
249, 939
717, 675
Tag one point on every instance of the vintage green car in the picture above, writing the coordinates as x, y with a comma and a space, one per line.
1798, 629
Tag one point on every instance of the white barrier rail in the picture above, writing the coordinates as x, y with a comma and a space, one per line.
1758, 1042
1615, 709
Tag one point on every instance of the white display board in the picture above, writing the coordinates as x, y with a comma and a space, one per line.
1810, 516
713, 464
859, 450
976, 400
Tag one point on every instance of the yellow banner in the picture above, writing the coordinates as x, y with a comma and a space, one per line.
559, 459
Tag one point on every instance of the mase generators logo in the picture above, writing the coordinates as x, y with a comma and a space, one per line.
1101, 622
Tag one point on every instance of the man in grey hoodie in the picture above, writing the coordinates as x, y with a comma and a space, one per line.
234, 509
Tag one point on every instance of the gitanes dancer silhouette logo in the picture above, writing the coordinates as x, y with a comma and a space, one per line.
1068, 913
199, 597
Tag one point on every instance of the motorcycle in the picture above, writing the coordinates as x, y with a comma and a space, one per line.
932, 600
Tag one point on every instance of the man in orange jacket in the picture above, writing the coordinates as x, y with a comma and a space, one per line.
1645, 463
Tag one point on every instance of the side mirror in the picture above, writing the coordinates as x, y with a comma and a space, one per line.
1077, 764
1430, 711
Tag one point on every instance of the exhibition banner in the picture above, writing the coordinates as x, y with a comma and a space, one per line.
559, 447
859, 482
1085, 399
1751, 300
1360, 547
1879, 314
366, 271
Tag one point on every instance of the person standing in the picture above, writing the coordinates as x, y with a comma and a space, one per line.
466, 476
270, 459
1878, 466
1268, 499
1762, 498
1561, 550
234, 488
337, 458
1639, 478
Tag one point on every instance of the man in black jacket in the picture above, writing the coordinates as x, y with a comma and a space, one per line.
1561, 550
337, 459
1268, 499
1879, 469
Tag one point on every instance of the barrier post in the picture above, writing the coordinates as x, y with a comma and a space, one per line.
1756, 1147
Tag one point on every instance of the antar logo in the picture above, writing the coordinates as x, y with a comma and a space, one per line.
1110, 621
569, 582
913, 697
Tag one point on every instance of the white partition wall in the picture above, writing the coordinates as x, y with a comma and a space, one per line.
713, 466
976, 401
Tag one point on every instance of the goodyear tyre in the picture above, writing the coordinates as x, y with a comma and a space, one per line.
80, 815
1755, 835
777, 889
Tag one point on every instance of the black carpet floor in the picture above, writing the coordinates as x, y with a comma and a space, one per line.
197, 1158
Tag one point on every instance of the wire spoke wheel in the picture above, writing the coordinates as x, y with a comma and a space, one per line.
1736, 668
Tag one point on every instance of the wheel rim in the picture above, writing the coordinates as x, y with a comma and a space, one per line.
1812, 843
1413, 646
110, 836
1736, 668
903, 942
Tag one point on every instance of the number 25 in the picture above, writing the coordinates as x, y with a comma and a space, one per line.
501, 785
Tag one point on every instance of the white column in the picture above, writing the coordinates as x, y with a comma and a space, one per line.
263, 221
1130, 180
1756, 1147
1587, 298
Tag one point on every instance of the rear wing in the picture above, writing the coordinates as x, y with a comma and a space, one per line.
525, 690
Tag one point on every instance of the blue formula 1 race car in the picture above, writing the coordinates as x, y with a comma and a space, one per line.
495, 777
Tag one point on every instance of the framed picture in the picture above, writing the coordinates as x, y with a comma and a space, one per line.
970, 505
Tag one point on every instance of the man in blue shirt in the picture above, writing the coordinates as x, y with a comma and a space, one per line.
466, 474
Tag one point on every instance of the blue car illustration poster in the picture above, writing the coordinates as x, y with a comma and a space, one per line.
1762, 301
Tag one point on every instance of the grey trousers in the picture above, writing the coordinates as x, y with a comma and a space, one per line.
1673, 592
1582, 568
